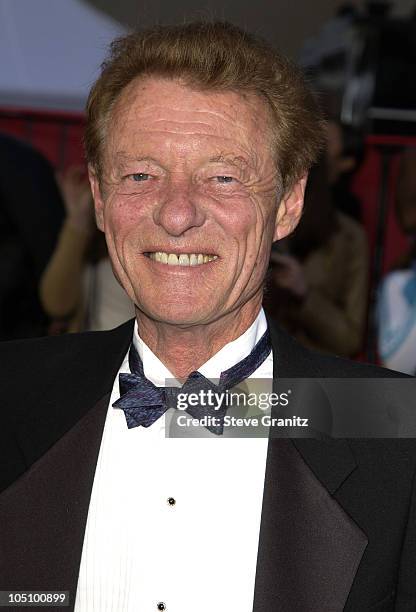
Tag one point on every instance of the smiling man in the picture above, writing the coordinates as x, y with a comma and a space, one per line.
199, 140
190, 200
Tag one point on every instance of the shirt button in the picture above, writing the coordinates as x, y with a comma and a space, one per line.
171, 502
161, 605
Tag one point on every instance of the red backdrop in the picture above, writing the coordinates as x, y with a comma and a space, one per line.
57, 135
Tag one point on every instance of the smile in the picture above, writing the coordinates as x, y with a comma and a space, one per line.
182, 259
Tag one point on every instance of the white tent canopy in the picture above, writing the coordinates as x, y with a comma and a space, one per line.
50, 52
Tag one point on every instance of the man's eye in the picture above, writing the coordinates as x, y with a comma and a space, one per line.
224, 179
140, 176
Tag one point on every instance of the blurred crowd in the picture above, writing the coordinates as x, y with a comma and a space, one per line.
56, 276
319, 276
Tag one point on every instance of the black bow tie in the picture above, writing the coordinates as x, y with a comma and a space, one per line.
143, 402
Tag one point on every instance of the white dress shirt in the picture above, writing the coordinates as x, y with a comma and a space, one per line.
198, 552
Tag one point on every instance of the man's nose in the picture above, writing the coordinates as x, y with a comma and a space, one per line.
179, 211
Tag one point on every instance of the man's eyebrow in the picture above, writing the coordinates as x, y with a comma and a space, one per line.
239, 161
122, 159
234, 160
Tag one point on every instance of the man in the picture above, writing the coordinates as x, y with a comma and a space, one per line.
199, 141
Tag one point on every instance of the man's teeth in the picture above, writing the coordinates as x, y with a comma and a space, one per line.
184, 259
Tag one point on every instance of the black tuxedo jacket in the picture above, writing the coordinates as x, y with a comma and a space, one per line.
338, 526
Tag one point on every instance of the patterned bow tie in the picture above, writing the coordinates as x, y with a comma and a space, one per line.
143, 402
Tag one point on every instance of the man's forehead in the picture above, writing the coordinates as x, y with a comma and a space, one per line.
165, 120
172, 104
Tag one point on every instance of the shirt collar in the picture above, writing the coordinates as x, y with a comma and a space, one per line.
229, 355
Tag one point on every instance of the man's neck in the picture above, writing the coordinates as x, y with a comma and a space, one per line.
183, 349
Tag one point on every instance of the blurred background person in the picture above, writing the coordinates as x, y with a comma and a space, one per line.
318, 287
345, 153
31, 214
397, 301
78, 289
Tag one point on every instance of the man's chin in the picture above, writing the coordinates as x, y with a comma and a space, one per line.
184, 315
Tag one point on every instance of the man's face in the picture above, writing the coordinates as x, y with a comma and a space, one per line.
189, 200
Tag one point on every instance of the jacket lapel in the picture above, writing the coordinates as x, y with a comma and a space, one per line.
309, 548
44, 513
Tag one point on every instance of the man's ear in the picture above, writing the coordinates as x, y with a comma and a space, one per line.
97, 197
290, 209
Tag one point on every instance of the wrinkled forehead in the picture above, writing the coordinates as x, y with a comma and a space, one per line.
156, 106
